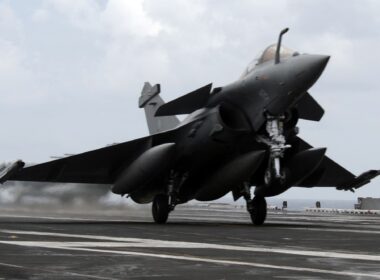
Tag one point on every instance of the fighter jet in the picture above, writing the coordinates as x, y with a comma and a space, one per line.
235, 138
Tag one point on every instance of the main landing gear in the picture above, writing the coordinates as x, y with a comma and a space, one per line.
256, 207
163, 204
160, 208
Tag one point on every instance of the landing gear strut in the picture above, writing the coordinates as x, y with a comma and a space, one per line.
277, 146
256, 207
163, 204
160, 208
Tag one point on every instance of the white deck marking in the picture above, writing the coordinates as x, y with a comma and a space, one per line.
338, 230
61, 245
62, 272
44, 217
65, 218
155, 243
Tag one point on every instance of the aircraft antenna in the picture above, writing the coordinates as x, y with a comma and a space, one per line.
277, 57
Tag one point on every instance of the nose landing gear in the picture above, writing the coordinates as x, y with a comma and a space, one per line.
277, 146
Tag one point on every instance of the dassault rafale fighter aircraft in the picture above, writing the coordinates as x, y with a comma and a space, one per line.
235, 137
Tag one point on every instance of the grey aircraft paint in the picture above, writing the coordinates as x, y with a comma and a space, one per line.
236, 136
151, 101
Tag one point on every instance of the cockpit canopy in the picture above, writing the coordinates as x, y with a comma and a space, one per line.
268, 55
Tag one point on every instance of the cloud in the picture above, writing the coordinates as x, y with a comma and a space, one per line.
71, 70
10, 25
123, 18
81, 13
40, 15
116, 18
18, 80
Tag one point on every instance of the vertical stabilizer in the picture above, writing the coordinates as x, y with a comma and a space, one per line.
150, 100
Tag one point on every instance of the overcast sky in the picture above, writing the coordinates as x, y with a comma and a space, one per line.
71, 71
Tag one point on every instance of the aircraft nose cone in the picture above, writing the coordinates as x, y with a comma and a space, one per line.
317, 64
310, 68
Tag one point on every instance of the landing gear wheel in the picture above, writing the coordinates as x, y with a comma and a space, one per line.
258, 210
160, 208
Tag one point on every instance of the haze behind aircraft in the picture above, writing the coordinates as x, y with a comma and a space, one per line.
237, 136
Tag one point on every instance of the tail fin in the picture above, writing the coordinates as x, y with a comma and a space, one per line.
151, 101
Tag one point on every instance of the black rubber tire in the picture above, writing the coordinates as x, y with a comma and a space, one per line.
258, 210
160, 208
